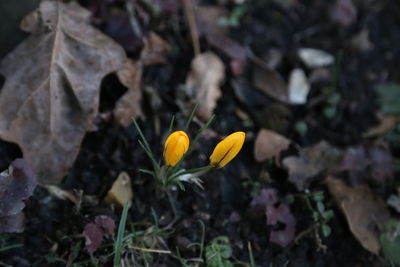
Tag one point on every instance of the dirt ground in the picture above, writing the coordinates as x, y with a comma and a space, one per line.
270, 31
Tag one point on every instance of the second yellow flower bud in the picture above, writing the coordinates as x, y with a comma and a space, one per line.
227, 149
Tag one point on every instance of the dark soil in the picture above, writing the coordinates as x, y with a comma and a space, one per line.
54, 228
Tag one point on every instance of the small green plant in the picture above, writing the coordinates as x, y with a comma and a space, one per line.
329, 92
218, 252
390, 242
233, 20
321, 215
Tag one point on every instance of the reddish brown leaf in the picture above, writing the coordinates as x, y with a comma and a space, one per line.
269, 144
94, 237
277, 213
106, 223
270, 83
51, 92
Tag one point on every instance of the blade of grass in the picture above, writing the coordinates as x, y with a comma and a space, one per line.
10, 247
189, 120
142, 136
171, 125
156, 166
120, 236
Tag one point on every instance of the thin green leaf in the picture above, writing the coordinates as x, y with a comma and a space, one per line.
190, 117
120, 235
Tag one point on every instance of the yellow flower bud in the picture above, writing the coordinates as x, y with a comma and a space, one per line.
175, 146
227, 149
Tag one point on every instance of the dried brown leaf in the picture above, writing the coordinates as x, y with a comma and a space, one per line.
270, 82
365, 212
269, 144
155, 50
121, 190
202, 83
51, 92
310, 162
217, 35
128, 106
386, 124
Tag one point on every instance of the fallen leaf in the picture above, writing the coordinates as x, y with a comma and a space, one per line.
281, 214
216, 34
386, 124
155, 50
202, 83
365, 212
382, 164
277, 213
343, 12
106, 223
315, 58
311, 161
355, 159
129, 105
269, 144
361, 41
51, 92
94, 237
270, 82
121, 190
94, 232
16, 185
298, 87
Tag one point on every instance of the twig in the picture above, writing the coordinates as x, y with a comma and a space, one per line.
189, 11
151, 250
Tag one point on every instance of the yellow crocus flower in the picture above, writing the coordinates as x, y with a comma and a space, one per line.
175, 146
227, 149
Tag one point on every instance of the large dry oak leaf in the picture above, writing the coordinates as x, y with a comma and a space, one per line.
51, 91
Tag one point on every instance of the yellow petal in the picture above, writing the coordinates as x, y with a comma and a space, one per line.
175, 146
227, 149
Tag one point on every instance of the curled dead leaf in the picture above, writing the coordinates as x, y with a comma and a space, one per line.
269, 144
203, 82
51, 91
